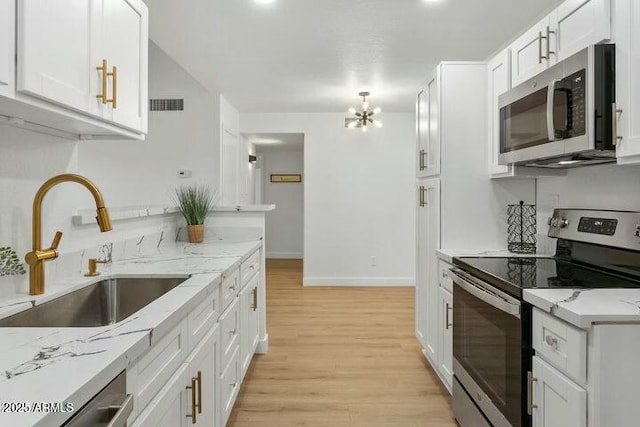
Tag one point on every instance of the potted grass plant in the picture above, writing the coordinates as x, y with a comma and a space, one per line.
194, 202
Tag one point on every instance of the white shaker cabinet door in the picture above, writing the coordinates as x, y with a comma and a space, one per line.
530, 53
428, 241
125, 47
169, 407
581, 23
559, 402
56, 40
422, 129
7, 15
499, 74
446, 336
627, 34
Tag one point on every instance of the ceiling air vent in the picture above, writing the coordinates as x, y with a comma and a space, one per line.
166, 105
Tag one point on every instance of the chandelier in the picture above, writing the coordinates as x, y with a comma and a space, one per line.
363, 118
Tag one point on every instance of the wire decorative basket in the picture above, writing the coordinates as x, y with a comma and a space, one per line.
521, 228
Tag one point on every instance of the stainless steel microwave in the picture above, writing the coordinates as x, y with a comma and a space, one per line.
563, 117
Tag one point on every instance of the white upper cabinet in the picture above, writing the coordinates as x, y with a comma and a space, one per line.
85, 72
530, 52
125, 47
580, 23
6, 43
499, 75
55, 56
428, 127
573, 26
627, 34
422, 129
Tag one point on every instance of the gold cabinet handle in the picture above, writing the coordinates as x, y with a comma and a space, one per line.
199, 378
193, 415
103, 96
254, 305
114, 75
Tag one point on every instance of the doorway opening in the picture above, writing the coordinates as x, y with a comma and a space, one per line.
279, 179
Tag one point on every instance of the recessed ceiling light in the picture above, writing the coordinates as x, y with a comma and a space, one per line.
264, 1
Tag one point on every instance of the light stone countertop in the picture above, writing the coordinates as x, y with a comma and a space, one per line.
73, 364
584, 307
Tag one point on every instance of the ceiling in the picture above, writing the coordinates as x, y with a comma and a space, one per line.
316, 55
279, 141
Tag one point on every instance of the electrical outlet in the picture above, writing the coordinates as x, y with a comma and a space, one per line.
184, 173
374, 261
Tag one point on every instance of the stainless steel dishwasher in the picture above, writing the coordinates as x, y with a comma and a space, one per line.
111, 407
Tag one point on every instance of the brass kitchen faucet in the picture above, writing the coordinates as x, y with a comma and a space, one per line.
38, 256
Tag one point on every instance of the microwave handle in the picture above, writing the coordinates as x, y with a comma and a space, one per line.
551, 99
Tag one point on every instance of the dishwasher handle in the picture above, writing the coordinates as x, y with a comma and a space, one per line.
123, 412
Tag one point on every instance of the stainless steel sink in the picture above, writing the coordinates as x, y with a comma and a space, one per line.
104, 303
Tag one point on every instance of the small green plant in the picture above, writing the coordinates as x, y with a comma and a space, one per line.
194, 202
10, 264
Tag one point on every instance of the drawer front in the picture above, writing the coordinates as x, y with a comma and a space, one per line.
445, 281
230, 331
230, 287
250, 267
153, 369
202, 319
230, 385
562, 345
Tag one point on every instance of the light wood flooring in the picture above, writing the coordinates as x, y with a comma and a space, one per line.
339, 357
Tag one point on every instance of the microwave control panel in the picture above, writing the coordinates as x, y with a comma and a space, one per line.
570, 105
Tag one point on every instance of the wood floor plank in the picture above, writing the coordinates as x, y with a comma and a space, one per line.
339, 357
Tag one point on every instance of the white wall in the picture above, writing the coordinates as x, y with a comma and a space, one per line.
285, 225
145, 173
358, 196
597, 187
128, 173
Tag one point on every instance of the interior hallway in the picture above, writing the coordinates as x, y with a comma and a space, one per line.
339, 357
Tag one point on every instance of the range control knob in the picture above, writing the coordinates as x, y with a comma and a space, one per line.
563, 223
637, 230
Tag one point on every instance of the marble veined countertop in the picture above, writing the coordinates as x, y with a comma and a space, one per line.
584, 307
73, 364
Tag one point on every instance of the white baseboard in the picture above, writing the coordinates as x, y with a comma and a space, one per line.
263, 345
360, 281
284, 255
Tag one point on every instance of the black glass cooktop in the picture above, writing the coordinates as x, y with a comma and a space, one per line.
526, 273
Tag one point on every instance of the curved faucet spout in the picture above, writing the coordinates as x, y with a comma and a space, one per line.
37, 256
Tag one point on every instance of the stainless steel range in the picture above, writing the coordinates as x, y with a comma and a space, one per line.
492, 324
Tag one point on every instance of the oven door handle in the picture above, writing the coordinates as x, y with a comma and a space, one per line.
485, 294
551, 100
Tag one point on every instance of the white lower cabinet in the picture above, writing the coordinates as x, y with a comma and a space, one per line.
445, 361
168, 408
203, 368
230, 379
249, 322
559, 402
193, 374
428, 240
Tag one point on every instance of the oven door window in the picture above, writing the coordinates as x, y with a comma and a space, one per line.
524, 123
487, 344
